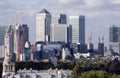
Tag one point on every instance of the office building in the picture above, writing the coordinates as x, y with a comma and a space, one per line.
3, 30
20, 35
69, 34
114, 39
43, 22
59, 33
59, 28
101, 49
59, 19
114, 34
78, 28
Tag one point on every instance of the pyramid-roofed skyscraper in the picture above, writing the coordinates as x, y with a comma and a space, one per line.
43, 22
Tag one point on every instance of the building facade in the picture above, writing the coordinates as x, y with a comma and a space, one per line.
114, 39
59, 33
43, 22
59, 19
78, 28
59, 28
3, 30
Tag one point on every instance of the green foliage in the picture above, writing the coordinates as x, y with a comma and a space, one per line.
83, 67
98, 74
75, 72
34, 65
65, 65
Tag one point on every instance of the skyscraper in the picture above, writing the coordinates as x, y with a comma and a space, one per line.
59, 33
78, 28
43, 22
59, 19
59, 28
3, 30
19, 35
114, 34
114, 38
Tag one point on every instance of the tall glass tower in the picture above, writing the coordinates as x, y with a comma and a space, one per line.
114, 34
43, 21
78, 28
114, 38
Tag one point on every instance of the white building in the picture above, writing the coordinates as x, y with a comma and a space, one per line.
8, 64
43, 22
42, 74
78, 28
78, 55
65, 52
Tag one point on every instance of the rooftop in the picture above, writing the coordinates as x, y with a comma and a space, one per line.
44, 11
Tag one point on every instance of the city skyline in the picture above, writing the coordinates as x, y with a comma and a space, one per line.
100, 15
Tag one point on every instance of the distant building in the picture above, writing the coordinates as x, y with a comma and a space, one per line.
69, 34
3, 30
114, 38
43, 22
114, 34
79, 48
59, 19
65, 53
59, 33
101, 49
19, 36
59, 28
2, 54
8, 64
9, 67
78, 28
41, 74
50, 50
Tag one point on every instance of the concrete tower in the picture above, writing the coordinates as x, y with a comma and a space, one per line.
43, 22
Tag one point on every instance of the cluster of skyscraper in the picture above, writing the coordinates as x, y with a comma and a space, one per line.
15, 38
57, 29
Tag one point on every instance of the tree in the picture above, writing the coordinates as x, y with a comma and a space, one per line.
75, 72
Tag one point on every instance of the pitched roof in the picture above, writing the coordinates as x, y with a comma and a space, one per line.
44, 11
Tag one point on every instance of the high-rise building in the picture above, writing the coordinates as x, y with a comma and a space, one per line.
114, 34
59, 33
78, 28
59, 19
3, 30
101, 49
114, 38
59, 28
43, 22
20, 35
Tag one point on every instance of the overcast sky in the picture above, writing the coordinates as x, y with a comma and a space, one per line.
100, 14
